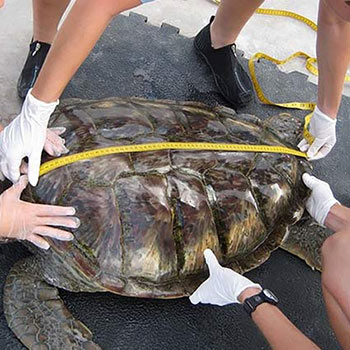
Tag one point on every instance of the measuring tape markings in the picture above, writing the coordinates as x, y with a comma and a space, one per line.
229, 147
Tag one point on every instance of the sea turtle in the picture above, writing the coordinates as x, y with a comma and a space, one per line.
146, 218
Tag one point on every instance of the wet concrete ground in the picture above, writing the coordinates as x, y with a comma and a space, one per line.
160, 63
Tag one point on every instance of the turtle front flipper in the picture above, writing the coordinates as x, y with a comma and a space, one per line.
305, 240
36, 314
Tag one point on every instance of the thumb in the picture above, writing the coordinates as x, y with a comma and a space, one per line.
303, 145
315, 147
11, 170
211, 260
20, 186
195, 297
34, 168
309, 180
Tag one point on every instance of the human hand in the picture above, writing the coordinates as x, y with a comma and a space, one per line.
25, 137
54, 144
32, 222
2, 3
321, 199
223, 286
322, 128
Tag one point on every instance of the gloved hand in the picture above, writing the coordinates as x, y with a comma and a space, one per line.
223, 285
28, 221
54, 146
25, 137
321, 199
322, 128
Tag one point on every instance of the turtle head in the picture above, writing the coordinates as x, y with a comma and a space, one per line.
289, 129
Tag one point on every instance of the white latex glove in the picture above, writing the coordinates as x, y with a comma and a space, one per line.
322, 128
25, 137
54, 146
321, 199
223, 285
28, 221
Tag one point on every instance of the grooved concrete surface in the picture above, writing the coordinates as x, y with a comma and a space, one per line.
160, 63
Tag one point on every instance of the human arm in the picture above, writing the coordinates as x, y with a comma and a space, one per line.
25, 136
323, 207
333, 55
338, 218
335, 255
32, 222
224, 286
280, 333
322, 128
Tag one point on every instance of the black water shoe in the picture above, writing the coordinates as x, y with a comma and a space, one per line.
230, 78
35, 60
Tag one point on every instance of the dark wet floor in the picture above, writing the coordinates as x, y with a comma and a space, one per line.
134, 58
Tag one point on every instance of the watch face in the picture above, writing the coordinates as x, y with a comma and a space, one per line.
270, 295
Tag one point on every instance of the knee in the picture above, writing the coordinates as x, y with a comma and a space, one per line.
336, 247
329, 17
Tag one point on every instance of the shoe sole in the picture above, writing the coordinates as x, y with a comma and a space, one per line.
235, 104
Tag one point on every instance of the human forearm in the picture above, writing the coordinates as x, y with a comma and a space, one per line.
77, 36
338, 218
335, 283
280, 333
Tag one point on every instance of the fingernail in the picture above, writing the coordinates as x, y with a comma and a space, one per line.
65, 150
71, 210
77, 222
45, 246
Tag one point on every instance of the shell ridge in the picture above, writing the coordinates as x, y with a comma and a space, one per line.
122, 243
258, 205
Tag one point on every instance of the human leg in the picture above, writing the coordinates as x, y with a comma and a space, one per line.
231, 17
336, 283
213, 44
333, 55
82, 28
46, 16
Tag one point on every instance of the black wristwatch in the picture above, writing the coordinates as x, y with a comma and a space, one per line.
265, 296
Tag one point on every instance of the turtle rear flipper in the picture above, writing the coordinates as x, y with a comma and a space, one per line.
36, 314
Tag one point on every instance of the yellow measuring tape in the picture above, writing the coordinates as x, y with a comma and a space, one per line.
310, 61
62, 161
147, 147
